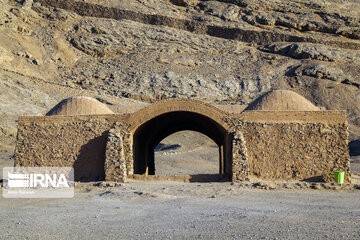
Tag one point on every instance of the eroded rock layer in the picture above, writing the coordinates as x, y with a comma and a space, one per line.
129, 53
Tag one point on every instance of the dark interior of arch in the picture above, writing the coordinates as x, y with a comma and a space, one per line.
150, 134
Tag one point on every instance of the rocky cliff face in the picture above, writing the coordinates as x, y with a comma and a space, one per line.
131, 52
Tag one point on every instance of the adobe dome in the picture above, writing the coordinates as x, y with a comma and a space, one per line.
79, 106
281, 100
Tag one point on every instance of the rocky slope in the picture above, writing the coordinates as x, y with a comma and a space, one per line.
131, 52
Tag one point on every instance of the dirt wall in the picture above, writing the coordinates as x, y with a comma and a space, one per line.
78, 142
296, 151
268, 145
293, 145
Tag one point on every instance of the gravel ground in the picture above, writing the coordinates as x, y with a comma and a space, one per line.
172, 210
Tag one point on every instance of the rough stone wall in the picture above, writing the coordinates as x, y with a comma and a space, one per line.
240, 162
97, 146
129, 156
63, 141
297, 151
268, 145
118, 156
115, 163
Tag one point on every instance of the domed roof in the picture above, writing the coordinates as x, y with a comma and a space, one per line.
281, 100
79, 106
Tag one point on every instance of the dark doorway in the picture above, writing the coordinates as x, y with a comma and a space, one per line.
150, 134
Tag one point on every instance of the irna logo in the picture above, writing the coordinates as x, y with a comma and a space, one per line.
35, 180
38, 182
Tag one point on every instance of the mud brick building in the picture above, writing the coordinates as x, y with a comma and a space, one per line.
280, 136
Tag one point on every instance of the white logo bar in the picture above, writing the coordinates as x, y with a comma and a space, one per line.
38, 182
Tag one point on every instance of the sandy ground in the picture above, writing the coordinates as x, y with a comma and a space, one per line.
194, 161
187, 152
177, 210
170, 210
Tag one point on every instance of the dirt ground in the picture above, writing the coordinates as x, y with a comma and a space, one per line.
178, 210
187, 152
48, 54
171, 210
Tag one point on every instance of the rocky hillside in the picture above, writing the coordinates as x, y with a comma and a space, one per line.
127, 53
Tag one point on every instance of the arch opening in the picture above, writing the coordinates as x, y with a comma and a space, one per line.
148, 135
186, 152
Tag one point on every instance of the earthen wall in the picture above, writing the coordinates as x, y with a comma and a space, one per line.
267, 145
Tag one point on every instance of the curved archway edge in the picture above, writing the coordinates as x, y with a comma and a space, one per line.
177, 105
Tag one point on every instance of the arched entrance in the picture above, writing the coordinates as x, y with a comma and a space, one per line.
187, 152
167, 117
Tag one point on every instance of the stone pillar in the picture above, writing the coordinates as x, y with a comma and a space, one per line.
240, 163
128, 152
115, 161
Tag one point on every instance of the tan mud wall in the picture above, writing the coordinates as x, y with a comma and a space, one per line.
77, 142
326, 117
296, 151
269, 145
296, 145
